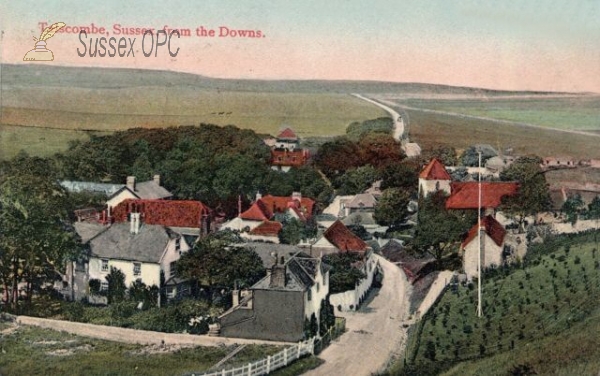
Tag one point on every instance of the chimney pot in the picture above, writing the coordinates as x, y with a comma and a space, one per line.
131, 183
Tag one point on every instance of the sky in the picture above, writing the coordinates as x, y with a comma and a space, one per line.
511, 44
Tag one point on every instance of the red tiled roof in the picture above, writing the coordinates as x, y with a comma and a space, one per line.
287, 134
267, 228
257, 212
163, 212
289, 158
494, 229
435, 170
277, 204
344, 239
465, 194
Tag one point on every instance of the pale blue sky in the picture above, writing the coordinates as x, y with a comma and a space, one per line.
544, 44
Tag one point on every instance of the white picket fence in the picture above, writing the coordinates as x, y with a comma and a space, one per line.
271, 363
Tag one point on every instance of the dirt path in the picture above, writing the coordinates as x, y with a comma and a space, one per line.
398, 120
374, 334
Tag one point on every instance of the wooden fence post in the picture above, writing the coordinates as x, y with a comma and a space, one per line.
299, 346
249, 369
268, 364
223, 372
285, 356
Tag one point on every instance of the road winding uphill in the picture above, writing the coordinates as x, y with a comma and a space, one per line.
398, 120
374, 333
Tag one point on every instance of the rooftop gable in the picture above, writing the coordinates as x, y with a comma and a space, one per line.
267, 228
257, 212
277, 204
435, 170
465, 195
344, 239
287, 134
491, 227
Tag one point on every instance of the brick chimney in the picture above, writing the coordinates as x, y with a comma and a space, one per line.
157, 179
278, 275
131, 183
297, 196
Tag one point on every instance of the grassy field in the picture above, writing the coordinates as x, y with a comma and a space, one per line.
114, 109
35, 351
573, 113
527, 311
37, 141
431, 130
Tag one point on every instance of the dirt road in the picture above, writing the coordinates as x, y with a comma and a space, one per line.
374, 334
398, 120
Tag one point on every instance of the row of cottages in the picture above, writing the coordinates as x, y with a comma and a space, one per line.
258, 223
278, 307
465, 196
286, 152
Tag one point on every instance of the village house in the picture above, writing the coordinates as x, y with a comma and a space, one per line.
286, 152
257, 222
338, 239
280, 306
141, 251
465, 195
559, 162
492, 235
433, 178
143, 239
148, 190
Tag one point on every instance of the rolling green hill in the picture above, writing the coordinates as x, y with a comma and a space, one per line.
552, 297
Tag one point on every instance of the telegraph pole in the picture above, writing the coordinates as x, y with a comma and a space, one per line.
479, 308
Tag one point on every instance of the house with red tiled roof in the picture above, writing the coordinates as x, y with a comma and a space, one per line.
286, 152
263, 210
493, 237
169, 213
465, 195
434, 177
339, 239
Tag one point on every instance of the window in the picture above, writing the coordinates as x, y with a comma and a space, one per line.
318, 286
178, 245
309, 297
137, 268
170, 292
104, 267
172, 269
104, 286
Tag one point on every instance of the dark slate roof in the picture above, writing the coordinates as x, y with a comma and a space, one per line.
266, 251
117, 242
150, 190
88, 230
300, 271
362, 200
366, 218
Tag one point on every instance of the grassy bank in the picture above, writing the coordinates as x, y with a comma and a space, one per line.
35, 351
551, 298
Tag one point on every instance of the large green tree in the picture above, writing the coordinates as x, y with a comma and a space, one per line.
439, 231
392, 207
220, 261
36, 237
533, 195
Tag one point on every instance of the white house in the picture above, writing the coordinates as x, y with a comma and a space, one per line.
492, 246
148, 190
140, 251
434, 177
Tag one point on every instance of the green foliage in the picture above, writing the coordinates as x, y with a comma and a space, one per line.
439, 230
445, 153
403, 175
593, 211
573, 207
470, 156
533, 196
543, 307
392, 207
218, 261
94, 285
358, 130
37, 237
356, 180
343, 276
139, 292
116, 285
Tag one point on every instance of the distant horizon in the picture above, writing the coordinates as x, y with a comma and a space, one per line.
305, 79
